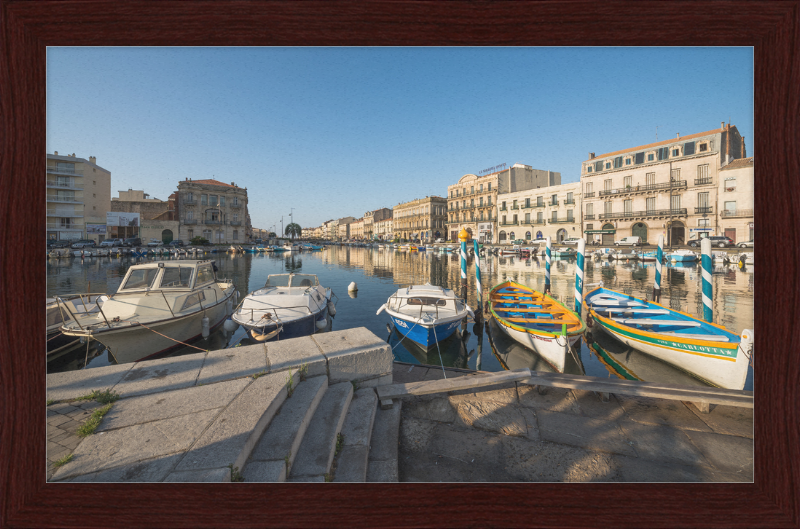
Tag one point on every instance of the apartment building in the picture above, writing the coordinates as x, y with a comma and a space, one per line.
213, 210
552, 211
383, 229
371, 217
472, 201
357, 229
343, 227
78, 198
421, 218
670, 187
736, 200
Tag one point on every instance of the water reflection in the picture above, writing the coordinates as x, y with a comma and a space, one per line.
380, 272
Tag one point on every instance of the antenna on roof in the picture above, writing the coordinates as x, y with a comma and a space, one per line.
656, 132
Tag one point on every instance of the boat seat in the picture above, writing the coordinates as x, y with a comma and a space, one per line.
615, 303
708, 337
637, 310
647, 321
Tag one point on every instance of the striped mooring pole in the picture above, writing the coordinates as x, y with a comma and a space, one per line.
547, 268
708, 295
463, 235
579, 276
659, 258
479, 310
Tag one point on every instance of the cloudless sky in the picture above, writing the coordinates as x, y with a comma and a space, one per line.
333, 132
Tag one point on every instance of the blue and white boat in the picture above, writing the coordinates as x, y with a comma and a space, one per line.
426, 314
288, 306
682, 256
309, 246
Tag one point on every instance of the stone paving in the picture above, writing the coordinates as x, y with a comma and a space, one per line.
512, 432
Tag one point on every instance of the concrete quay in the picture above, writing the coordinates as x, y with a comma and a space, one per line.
232, 415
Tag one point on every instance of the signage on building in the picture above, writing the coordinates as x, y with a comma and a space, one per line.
96, 229
485, 227
750, 225
493, 169
122, 219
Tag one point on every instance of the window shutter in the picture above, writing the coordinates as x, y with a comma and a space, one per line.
688, 148
639, 158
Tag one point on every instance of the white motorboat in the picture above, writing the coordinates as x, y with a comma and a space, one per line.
682, 256
426, 313
288, 306
159, 306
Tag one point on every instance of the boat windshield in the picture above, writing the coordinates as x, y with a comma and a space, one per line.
281, 280
304, 280
427, 301
176, 277
140, 278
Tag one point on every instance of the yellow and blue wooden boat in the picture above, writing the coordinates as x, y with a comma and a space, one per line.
705, 350
536, 320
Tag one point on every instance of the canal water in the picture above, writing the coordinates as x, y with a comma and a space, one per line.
380, 272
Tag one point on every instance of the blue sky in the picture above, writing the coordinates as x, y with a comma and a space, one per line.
333, 132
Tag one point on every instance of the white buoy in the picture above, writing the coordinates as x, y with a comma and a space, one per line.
205, 327
321, 324
353, 287
230, 325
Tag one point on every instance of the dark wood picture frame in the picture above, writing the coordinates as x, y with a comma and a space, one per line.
772, 28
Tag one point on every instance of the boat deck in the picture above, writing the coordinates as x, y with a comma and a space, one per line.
532, 310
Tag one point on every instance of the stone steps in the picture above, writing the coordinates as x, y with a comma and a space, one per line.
315, 456
382, 459
351, 463
277, 449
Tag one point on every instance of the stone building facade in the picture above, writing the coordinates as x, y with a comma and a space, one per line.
371, 217
671, 187
343, 228
552, 211
383, 229
736, 200
422, 218
78, 197
472, 201
214, 210
158, 219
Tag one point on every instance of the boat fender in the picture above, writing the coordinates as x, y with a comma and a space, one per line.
747, 341
381, 309
205, 327
589, 321
321, 324
331, 308
230, 325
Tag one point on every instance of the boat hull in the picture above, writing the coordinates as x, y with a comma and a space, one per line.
553, 349
305, 326
132, 344
425, 335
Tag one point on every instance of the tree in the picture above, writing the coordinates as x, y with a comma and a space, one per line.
293, 230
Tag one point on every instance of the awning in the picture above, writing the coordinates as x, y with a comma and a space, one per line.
600, 231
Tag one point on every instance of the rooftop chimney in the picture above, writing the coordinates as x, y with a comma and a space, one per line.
591, 155
56, 153
93, 160
722, 125
678, 135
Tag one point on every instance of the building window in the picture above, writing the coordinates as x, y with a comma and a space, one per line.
472, 202
703, 147
554, 216
702, 172
627, 181
190, 215
480, 202
590, 209
190, 197
481, 215
570, 199
607, 185
235, 235
675, 202
540, 201
651, 204
203, 200
190, 234
589, 187
651, 157
607, 206
608, 165
527, 218
730, 207
676, 152
489, 186
514, 205
730, 183
472, 190
650, 179
675, 175
589, 168
704, 222
527, 202
481, 188
570, 218
539, 217
504, 205
628, 206
554, 200
627, 161
235, 217
222, 201
589, 226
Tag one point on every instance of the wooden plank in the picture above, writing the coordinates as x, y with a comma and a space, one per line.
395, 391
512, 309
646, 321
555, 322
725, 397
708, 337
637, 311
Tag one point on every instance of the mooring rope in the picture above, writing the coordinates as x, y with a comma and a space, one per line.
440, 351
404, 335
168, 338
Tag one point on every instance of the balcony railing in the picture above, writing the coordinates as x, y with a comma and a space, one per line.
553, 202
643, 214
567, 220
706, 209
236, 223
510, 223
588, 217
527, 206
568, 202
703, 181
214, 222
190, 222
71, 200
503, 209
537, 222
192, 202
514, 207
590, 194
675, 184
64, 185
539, 205
54, 213
737, 213
234, 205
60, 226
71, 171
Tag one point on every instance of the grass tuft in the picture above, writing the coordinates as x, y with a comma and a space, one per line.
303, 371
63, 461
236, 476
339, 443
260, 373
50, 401
91, 424
103, 397
289, 384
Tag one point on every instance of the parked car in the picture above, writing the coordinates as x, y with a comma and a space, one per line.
439, 240
721, 241
155, 242
633, 240
519, 241
52, 243
111, 242
746, 244
571, 240
133, 241
176, 242
83, 243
